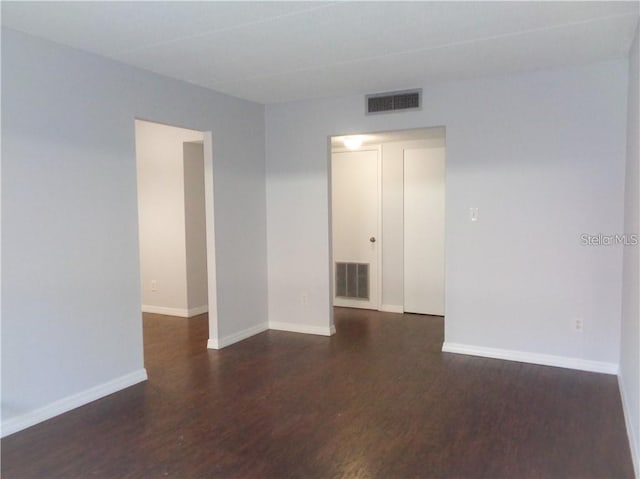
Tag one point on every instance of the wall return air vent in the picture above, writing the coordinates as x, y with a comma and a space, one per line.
352, 280
393, 101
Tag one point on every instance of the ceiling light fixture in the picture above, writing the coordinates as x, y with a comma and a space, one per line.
352, 142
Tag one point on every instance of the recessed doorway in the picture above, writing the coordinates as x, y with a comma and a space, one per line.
388, 220
175, 221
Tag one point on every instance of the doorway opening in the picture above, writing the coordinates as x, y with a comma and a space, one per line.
387, 218
175, 221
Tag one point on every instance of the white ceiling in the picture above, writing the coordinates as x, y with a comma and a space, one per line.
273, 52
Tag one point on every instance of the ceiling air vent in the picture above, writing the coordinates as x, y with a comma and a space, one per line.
394, 101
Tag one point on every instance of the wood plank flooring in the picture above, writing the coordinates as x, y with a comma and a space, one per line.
377, 400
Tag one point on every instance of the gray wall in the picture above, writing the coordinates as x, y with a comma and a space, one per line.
542, 157
195, 230
630, 340
70, 270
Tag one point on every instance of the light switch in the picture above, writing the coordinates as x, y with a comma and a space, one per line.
473, 214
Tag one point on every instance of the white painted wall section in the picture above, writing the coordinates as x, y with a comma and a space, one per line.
540, 154
71, 326
630, 338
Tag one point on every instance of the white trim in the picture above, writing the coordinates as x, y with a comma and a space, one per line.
354, 303
214, 343
633, 441
392, 308
209, 208
197, 310
148, 308
181, 312
301, 328
68, 403
379, 232
533, 358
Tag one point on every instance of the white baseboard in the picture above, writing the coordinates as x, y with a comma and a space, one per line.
181, 312
191, 312
301, 328
392, 308
633, 440
147, 308
63, 405
533, 358
219, 343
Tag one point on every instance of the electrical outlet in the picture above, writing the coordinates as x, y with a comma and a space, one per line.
579, 325
154, 285
305, 297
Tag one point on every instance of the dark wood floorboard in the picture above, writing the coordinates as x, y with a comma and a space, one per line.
377, 400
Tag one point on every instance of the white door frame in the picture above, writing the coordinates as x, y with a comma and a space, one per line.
213, 341
377, 301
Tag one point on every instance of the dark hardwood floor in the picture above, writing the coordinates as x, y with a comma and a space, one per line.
377, 400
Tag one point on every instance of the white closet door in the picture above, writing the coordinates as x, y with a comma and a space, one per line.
424, 179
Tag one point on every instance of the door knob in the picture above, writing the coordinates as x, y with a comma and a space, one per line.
372, 239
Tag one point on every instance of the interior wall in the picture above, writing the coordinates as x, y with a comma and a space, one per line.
195, 228
162, 216
630, 338
71, 327
542, 157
